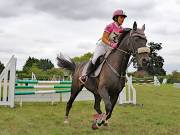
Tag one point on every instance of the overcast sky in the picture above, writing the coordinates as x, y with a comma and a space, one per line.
43, 28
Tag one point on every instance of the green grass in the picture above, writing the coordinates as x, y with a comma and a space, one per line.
160, 115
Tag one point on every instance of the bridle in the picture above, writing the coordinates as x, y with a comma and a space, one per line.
133, 51
130, 43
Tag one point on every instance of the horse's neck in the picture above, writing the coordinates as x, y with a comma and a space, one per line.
119, 60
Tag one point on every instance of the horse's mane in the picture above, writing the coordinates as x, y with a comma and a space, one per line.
125, 32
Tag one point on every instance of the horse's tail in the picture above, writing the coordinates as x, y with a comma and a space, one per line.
66, 63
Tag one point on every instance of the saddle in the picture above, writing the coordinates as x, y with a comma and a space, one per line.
99, 64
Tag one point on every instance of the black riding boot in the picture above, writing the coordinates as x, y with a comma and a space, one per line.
90, 69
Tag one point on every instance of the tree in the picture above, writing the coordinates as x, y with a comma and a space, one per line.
156, 63
174, 77
1, 67
45, 64
43, 69
83, 58
29, 63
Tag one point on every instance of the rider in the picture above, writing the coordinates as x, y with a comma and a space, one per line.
108, 41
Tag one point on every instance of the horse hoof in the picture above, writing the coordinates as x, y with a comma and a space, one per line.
94, 126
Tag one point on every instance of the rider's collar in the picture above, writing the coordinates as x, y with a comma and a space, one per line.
119, 26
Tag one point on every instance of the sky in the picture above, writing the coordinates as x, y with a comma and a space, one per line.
43, 28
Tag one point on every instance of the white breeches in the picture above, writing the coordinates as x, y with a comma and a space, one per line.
100, 49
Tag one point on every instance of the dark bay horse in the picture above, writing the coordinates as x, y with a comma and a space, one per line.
111, 80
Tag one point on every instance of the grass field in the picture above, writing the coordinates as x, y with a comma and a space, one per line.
159, 115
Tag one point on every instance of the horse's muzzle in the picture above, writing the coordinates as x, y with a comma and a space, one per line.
145, 62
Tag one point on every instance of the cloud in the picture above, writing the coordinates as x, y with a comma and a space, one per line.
1, 32
11, 50
8, 8
44, 41
75, 9
87, 45
164, 29
138, 8
13, 8
174, 53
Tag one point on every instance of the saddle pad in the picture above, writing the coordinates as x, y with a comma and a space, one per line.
96, 72
98, 69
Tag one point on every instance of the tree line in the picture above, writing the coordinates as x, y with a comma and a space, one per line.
44, 69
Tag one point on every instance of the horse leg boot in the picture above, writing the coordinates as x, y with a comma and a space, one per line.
90, 69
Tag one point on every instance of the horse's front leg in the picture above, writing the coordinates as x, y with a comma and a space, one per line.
103, 92
113, 99
97, 102
114, 96
97, 107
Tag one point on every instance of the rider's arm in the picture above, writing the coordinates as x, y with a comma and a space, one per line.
105, 38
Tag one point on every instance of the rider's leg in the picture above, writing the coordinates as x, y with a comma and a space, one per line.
100, 50
90, 69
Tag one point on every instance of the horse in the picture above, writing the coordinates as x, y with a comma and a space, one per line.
111, 80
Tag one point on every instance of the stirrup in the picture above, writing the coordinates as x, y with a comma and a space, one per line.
83, 79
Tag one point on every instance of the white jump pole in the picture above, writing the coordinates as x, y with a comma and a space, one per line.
156, 81
33, 76
131, 97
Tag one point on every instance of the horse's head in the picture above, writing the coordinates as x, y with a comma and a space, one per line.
136, 45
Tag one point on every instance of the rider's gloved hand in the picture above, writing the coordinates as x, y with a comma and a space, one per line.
113, 45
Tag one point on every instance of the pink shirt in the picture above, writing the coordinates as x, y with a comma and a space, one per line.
114, 31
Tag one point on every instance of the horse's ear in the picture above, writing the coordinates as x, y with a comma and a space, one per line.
143, 27
135, 26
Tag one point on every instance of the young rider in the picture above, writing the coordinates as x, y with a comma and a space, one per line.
108, 41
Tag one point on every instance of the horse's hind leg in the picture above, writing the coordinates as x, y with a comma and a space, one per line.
75, 89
